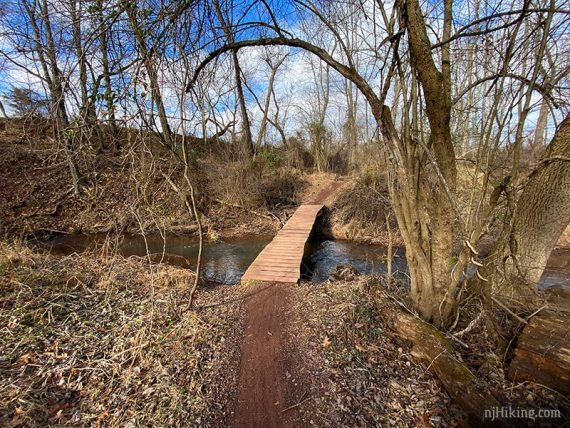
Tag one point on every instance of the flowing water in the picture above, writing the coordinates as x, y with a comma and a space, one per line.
222, 262
225, 262
323, 256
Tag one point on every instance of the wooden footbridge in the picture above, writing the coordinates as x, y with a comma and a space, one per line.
280, 261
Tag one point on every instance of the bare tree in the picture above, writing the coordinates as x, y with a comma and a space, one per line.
273, 65
439, 232
43, 42
151, 66
247, 140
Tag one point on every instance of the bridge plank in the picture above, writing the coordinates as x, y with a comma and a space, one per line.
280, 260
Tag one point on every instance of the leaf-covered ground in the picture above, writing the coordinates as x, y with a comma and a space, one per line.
87, 340
364, 375
96, 339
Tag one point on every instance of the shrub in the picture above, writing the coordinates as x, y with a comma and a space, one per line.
253, 184
363, 207
269, 158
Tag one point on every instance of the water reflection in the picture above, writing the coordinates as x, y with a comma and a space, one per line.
225, 262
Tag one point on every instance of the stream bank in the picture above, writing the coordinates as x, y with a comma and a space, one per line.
348, 370
224, 262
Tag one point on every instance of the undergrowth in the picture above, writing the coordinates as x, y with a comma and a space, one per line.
361, 210
370, 375
89, 340
262, 182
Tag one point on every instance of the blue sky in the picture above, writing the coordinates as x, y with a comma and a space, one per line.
295, 89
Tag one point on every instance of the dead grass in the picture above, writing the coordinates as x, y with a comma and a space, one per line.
127, 191
88, 340
359, 212
316, 183
258, 184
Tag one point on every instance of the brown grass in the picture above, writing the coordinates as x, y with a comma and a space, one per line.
255, 184
89, 340
359, 212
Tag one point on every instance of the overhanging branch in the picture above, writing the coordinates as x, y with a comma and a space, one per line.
347, 72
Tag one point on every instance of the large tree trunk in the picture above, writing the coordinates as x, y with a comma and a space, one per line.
425, 219
542, 213
421, 194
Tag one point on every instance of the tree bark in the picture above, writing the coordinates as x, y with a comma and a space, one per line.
436, 86
540, 131
429, 238
542, 354
542, 213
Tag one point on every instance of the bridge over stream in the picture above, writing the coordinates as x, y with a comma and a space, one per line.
280, 260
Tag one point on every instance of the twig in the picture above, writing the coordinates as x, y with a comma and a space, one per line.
453, 337
535, 312
142, 345
471, 325
502, 305
298, 404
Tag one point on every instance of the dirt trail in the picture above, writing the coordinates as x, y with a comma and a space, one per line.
327, 194
266, 393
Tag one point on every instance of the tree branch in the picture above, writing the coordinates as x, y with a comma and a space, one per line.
347, 72
545, 92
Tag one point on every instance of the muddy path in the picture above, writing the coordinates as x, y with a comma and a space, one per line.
268, 394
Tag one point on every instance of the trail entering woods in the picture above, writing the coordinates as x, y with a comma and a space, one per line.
267, 395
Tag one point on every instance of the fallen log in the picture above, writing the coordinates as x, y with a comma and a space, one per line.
542, 354
431, 347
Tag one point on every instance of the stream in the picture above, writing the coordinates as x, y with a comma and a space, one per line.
225, 262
